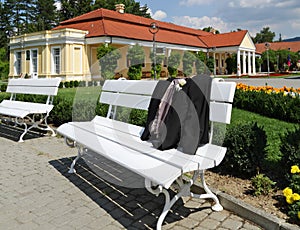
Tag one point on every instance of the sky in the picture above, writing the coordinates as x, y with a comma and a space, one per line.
281, 16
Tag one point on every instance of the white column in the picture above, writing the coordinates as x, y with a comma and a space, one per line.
244, 62
238, 63
253, 64
249, 63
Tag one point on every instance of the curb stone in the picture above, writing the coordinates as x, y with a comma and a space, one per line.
256, 215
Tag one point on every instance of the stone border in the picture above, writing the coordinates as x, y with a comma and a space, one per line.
258, 216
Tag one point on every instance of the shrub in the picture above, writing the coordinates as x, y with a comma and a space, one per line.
76, 83
245, 150
262, 184
71, 84
62, 111
3, 88
290, 149
67, 84
281, 105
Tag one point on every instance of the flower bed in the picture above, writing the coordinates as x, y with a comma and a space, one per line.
292, 196
280, 103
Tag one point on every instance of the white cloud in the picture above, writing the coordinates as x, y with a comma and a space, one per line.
159, 15
200, 23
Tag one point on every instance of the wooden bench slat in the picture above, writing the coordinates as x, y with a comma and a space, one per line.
126, 100
211, 152
132, 86
144, 165
30, 107
34, 86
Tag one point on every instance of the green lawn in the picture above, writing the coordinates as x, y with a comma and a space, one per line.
274, 129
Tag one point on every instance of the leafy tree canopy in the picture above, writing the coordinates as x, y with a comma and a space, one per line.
265, 35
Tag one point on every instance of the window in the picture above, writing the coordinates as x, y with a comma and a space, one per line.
18, 63
56, 60
34, 61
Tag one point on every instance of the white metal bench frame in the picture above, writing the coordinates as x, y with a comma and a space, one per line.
30, 114
102, 134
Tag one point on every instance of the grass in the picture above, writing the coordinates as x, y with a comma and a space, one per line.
274, 130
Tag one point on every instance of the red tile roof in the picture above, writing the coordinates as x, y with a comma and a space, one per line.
293, 46
224, 40
103, 22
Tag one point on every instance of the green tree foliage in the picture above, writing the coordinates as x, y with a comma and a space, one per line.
231, 64
158, 62
44, 20
135, 56
108, 58
278, 60
173, 63
72, 8
5, 29
201, 60
211, 29
131, 6
265, 35
4, 64
188, 61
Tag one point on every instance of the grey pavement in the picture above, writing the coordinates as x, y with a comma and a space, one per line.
275, 82
36, 192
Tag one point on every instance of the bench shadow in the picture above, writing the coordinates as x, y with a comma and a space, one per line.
11, 132
133, 208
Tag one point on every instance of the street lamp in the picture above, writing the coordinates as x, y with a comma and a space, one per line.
153, 30
267, 46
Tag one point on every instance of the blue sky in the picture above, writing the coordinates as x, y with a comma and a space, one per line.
282, 16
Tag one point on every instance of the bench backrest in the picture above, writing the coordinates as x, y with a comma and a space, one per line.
137, 94
42, 86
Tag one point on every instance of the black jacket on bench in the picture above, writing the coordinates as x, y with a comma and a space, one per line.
186, 125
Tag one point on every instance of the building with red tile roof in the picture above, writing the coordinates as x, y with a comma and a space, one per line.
291, 46
70, 49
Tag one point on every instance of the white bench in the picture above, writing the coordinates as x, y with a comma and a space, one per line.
30, 114
120, 142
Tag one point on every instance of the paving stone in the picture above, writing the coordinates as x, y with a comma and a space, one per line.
36, 192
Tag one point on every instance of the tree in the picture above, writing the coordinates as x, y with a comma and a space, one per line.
5, 29
4, 64
131, 6
108, 58
265, 35
211, 29
188, 61
45, 15
136, 57
173, 63
201, 60
158, 61
72, 8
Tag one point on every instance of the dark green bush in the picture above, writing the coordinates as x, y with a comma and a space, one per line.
67, 84
245, 150
290, 149
62, 111
71, 84
3, 87
61, 85
76, 83
274, 105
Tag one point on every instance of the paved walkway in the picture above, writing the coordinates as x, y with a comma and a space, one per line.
36, 192
275, 82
